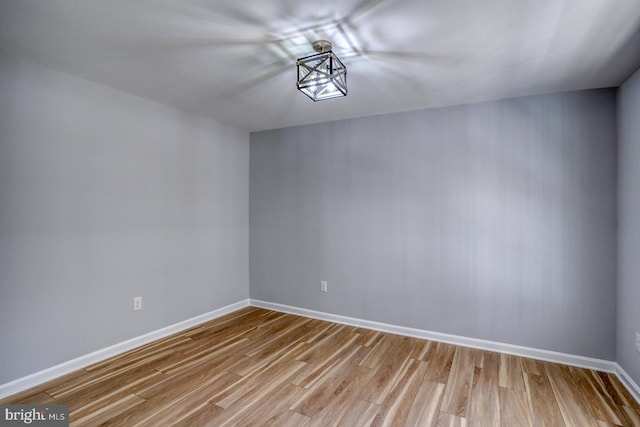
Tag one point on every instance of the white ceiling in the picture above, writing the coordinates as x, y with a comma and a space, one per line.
234, 60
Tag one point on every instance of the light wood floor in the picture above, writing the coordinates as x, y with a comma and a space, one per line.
260, 367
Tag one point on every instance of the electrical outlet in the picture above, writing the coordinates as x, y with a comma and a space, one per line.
638, 342
323, 286
137, 303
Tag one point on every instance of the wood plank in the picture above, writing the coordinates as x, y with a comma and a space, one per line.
140, 353
249, 364
334, 339
206, 416
368, 337
264, 409
96, 400
358, 413
616, 390
440, 364
275, 325
257, 384
378, 353
214, 333
95, 394
182, 382
186, 404
290, 332
320, 331
425, 407
325, 389
207, 356
314, 371
457, 394
514, 408
30, 397
488, 360
542, 402
532, 366
395, 408
343, 397
485, 398
86, 380
390, 369
572, 405
448, 420
511, 373
632, 415
483, 422
175, 404
69, 381
424, 350
287, 419
108, 412
602, 406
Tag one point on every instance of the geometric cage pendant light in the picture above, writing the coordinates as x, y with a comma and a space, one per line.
322, 76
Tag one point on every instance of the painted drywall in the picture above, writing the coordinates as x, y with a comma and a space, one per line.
629, 226
494, 221
105, 196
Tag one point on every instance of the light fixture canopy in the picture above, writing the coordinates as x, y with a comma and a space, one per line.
322, 75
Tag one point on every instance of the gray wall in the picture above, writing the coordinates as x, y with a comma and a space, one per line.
105, 196
629, 226
495, 221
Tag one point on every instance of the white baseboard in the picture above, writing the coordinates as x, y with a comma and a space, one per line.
45, 375
628, 382
534, 353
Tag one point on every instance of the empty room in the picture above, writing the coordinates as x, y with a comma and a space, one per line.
297, 213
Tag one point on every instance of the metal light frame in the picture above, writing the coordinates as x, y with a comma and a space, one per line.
322, 76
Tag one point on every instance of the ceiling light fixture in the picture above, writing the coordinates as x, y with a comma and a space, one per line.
322, 75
